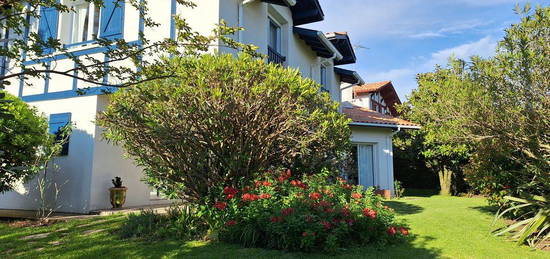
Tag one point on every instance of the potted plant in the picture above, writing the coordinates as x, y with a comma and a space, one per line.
118, 193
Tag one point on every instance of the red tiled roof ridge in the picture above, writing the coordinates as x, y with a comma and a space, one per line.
363, 115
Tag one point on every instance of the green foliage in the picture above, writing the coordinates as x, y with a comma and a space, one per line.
179, 223
303, 214
221, 119
25, 144
493, 113
532, 228
399, 189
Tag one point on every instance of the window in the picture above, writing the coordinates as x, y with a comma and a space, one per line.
324, 81
81, 24
56, 124
274, 48
274, 36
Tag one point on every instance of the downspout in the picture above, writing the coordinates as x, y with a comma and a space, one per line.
397, 131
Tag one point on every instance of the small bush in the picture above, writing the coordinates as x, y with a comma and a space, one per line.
178, 223
311, 214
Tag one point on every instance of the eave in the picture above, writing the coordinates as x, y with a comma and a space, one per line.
349, 76
342, 42
318, 43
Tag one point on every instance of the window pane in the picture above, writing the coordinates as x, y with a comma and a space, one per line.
96, 22
274, 31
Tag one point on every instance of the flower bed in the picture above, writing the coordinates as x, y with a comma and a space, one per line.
309, 214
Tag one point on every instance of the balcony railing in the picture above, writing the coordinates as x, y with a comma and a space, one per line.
275, 57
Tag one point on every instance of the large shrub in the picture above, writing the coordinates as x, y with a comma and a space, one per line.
24, 140
307, 214
221, 119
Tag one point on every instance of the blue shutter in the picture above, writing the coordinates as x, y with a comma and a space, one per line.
58, 121
47, 27
112, 19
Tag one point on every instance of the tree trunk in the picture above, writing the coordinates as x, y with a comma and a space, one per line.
445, 181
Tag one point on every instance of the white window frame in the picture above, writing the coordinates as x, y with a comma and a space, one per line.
67, 25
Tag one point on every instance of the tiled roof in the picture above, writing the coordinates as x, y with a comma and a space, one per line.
370, 87
364, 115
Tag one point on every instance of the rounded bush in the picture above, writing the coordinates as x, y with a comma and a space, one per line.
309, 214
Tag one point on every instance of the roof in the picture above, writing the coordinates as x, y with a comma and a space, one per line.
303, 11
365, 117
386, 90
342, 42
348, 76
318, 43
370, 87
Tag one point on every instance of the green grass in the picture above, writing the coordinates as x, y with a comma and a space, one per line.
444, 227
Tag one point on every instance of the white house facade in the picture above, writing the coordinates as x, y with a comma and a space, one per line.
88, 165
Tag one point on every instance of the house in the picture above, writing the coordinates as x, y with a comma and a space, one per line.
89, 163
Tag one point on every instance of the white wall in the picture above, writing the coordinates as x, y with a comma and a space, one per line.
109, 162
381, 138
75, 170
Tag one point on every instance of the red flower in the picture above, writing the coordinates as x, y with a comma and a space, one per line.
266, 183
347, 187
304, 234
336, 221
247, 197
404, 231
341, 180
314, 195
369, 213
346, 212
230, 196
287, 211
265, 196
356, 195
326, 225
284, 175
258, 184
392, 231
350, 221
230, 223
230, 190
220, 205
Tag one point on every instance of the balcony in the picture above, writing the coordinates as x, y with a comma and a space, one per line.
275, 57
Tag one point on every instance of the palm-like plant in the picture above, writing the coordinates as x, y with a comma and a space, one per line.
532, 227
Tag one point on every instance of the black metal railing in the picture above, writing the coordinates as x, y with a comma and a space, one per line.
275, 57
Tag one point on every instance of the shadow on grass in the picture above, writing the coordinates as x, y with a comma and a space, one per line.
421, 192
489, 210
403, 208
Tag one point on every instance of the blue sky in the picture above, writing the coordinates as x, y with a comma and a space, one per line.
396, 39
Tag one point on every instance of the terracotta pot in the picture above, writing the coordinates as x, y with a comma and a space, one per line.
386, 194
118, 197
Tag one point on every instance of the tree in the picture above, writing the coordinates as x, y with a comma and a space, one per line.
495, 109
431, 106
222, 120
24, 142
16, 18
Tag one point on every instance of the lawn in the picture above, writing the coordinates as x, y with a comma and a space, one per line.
444, 227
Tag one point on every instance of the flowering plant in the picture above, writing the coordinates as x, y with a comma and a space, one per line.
309, 214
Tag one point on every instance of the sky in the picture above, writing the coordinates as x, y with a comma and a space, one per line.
397, 39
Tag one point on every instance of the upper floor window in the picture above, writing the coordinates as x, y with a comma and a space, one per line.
324, 79
274, 45
81, 24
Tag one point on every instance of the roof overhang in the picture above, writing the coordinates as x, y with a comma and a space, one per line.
349, 76
342, 42
303, 11
377, 125
318, 43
